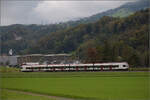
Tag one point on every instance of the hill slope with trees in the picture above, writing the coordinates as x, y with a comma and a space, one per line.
109, 39
20, 37
122, 11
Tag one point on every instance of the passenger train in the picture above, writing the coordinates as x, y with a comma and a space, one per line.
34, 67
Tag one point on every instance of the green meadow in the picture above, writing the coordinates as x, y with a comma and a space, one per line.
80, 85
11, 95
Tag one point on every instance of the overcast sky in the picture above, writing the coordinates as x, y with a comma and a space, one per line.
47, 12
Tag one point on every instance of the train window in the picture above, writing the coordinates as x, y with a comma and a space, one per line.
115, 66
106, 66
46, 67
124, 65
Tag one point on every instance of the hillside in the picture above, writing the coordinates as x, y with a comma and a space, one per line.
20, 37
122, 11
109, 39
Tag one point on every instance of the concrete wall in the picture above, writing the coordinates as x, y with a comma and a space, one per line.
12, 60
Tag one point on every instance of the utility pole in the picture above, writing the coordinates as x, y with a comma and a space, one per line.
78, 54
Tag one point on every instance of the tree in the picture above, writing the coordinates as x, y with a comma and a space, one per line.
92, 55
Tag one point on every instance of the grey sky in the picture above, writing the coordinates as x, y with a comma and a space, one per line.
46, 12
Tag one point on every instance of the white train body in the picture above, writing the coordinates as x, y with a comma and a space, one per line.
76, 67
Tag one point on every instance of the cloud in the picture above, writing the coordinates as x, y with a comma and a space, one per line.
37, 12
15, 12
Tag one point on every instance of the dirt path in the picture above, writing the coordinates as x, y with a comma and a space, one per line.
38, 94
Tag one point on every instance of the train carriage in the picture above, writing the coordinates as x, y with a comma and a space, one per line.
75, 67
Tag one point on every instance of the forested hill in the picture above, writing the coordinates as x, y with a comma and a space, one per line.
109, 39
19, 37
122, 11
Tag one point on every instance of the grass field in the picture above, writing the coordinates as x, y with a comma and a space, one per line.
11, 95
81, 85
4, 69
